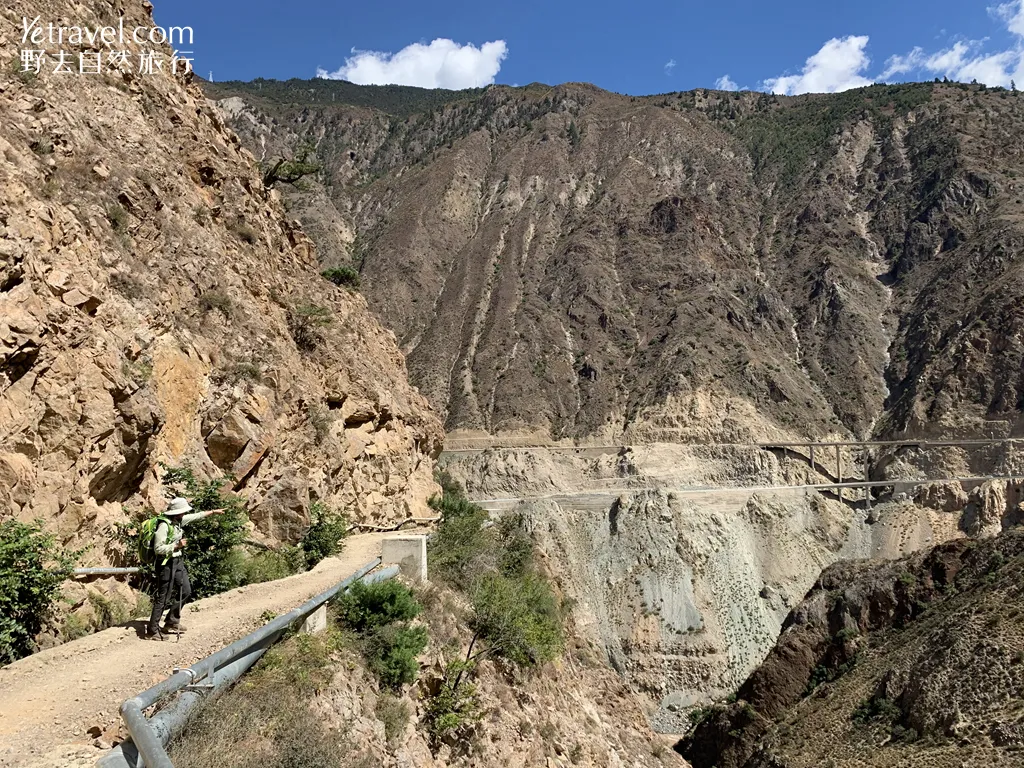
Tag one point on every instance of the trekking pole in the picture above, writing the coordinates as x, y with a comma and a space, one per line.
177, 636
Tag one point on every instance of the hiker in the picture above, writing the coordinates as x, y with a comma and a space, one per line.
172, 585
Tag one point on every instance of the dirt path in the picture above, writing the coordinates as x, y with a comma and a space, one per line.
53, 705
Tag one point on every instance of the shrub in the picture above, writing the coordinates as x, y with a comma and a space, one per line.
74, 628
518, 618
452, 713
216, 300
118, 218
320, 421
394, 714
32, 568
305, 322
267, 565
391, 653
110, 611
344, 276
515, 610
881, 709
460, 537
244, 232
325, 536
371, 606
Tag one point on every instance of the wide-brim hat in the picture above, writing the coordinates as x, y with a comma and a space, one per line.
178, 506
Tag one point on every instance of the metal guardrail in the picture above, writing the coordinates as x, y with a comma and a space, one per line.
104, 571
151, 735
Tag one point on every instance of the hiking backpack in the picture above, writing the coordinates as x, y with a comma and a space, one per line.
147, 538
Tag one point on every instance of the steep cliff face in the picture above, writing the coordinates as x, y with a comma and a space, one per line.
913, 662
699, 266
157, 305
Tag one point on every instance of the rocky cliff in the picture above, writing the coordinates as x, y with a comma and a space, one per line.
698, 266
158, 305
912, 662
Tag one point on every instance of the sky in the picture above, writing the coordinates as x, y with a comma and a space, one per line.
788, 47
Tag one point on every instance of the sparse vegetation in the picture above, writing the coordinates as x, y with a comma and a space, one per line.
118, 218
452, 713
32, 568
269, 711
876, 709
344, 276
394, 714
218, 300
320, 420
243, 231
305, 321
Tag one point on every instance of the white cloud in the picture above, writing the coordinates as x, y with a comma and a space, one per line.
669, 66
726, 83
836, 67
442, 64
967, 60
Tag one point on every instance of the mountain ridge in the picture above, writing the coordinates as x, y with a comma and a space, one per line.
708, 266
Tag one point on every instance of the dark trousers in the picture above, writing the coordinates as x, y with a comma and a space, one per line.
172, 590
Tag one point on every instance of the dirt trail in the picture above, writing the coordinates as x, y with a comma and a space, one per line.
53, 704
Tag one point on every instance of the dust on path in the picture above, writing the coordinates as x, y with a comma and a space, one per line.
54, 703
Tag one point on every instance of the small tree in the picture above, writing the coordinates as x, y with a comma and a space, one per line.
32, 568
1013, 86
290, 171
371, 606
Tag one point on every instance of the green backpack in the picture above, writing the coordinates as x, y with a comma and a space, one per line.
147, 538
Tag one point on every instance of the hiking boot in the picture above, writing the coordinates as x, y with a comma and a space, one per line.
154, 635
174, 629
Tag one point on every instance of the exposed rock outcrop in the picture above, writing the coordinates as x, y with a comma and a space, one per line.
158, 305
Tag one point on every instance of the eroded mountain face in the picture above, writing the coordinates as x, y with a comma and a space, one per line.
157, 305
917, 661
698, 266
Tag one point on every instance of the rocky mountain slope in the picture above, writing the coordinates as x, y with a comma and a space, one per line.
158, 305
912, 662
698, 266
684, 585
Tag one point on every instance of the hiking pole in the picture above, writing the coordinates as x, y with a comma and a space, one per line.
177, 636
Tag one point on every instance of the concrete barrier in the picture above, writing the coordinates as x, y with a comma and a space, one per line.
409, 553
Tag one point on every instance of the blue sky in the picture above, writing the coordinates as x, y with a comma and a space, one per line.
787, 47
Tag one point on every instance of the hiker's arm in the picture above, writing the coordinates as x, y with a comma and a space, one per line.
161, 545
185, 520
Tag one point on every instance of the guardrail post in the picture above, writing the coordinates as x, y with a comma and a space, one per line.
409, 552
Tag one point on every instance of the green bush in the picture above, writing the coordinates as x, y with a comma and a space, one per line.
518, 618
305, 322
515, 610
453, 711
460, 538
344, 276
32, 568
391, 653
366, 607
380, 613
881, 709
268, 565
326, 531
